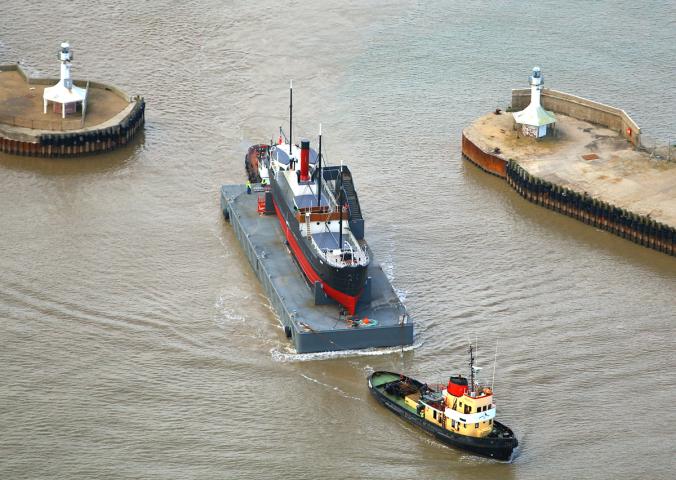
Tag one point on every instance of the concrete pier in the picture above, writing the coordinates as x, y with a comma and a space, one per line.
592, 168
312, 322
112, 118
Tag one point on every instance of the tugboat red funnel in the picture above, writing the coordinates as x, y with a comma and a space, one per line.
304, 160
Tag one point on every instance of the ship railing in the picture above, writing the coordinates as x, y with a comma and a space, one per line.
357, 257
333, 204
281, 132
437, 387
337, 260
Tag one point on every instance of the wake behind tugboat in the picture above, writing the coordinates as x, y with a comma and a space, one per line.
460, 414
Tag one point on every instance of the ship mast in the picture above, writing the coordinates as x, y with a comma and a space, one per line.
290, 116
340, 208
319, 177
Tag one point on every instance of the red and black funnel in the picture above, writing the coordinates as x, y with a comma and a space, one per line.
304, 160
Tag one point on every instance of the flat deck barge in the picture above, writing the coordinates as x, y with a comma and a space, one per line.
313, 322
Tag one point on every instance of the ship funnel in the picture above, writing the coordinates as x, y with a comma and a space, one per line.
457, 386
304, 160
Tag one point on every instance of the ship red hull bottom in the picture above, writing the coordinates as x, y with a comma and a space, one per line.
348, 301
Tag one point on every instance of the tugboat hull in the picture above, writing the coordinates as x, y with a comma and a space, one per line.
499, 446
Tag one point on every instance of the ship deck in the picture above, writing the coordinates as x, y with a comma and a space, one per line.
326, 240
310, 200
314, 327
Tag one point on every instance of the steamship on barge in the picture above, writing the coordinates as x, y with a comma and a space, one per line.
460, 414
318, 211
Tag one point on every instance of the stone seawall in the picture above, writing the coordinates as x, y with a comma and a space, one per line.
639, 229
582, 109
110, 134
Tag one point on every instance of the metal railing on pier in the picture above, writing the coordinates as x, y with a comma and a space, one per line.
60, 125
659, 149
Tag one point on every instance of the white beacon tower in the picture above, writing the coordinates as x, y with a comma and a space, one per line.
535, 121
64, 95
537, 83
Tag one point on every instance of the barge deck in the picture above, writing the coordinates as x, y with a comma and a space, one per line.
313, 322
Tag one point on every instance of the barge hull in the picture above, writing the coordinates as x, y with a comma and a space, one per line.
313, 327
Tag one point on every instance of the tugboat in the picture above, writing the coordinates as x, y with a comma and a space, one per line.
315, 212
460, 414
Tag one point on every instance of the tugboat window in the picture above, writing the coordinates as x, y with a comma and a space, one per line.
476, 425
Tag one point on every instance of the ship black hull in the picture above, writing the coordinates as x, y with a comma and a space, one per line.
493, 447
344, 284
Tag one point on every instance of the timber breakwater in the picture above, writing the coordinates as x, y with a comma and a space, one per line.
110, 119
591, 167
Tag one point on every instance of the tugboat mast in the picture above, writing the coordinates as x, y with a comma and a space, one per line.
471, 369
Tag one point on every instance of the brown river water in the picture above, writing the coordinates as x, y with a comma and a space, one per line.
135, 342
